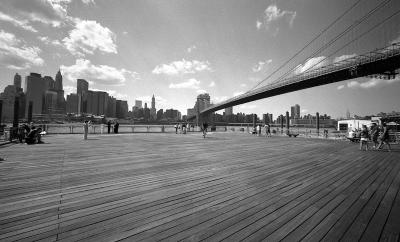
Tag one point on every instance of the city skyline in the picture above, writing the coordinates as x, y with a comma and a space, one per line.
182, 49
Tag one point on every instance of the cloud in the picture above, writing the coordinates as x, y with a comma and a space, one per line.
50, 12
304, 111
89, 36
182, 67
189, 84
343, 57
395, 41
18, 23
273, 14
212, 84
220, 99
99, 74
373, 82
247, 106
87, 2
238, 93
191, 48
48, 41
69, 89
201, 91
112, 93
15, 54
125, 32
258, 24
259, 66
340, 87
311, 64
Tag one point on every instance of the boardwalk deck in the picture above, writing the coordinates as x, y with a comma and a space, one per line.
170, 187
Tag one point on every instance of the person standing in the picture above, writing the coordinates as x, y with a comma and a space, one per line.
176, 128
85, 129
259, 130
116, 126
108, 126
364, 136
384, 137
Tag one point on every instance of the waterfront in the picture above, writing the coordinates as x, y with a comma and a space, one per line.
154, 186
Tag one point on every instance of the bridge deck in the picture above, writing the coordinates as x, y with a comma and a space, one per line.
183, 187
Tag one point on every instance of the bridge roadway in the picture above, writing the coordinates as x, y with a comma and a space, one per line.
229, 186
383, 61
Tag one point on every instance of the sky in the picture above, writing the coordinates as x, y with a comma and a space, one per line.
178, 49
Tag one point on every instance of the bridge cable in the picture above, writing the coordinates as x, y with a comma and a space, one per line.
364, 18
308, 44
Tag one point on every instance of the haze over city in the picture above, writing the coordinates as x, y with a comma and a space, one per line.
177, 50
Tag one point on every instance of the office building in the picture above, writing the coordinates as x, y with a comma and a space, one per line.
228, 111
138, 103
72, 103
35, 88
17, 81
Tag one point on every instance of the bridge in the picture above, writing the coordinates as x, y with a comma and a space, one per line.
383, 61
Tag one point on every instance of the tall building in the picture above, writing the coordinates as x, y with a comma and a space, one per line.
58, 85
153, 113
17, 80
228, 111
111, 107
295, 111
138, 103
191, 112
35, 88
82, 87
72, 103
8, 97
160, 114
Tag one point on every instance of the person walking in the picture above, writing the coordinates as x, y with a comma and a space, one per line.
258, 130
85, 129
384, 137
204, 126
364, 136
374, 135
176, 128
108, 126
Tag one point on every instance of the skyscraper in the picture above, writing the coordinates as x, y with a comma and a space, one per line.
153, 113
58, 83
17, 80
35, 88
82, 88
138, 103
295, 111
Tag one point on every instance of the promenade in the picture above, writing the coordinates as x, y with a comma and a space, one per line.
229, 186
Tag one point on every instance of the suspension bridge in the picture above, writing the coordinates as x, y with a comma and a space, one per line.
382, 61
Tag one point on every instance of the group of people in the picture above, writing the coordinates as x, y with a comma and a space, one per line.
378, 135
182, 128
257, 130
88, 123
29, 134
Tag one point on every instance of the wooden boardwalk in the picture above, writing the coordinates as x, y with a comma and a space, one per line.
170, 187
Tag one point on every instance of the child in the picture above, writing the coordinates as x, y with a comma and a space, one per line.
364, 136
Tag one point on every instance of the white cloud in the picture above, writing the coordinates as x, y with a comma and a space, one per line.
273, 14
201, 91
125, 32
88, 36
212, 84
69, 89
18, 23
16, 55
219, 99
373, 82
238, 93
343, 57
113, 93
258, 24
395, 41
304, 111
247, 106
191, 48
243, 85
47, 41
188, 84
99, 74
311, 64
340, 87
87, 2
260, 65
182, 67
